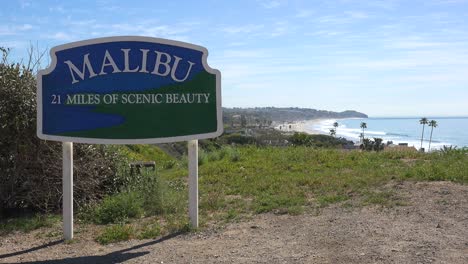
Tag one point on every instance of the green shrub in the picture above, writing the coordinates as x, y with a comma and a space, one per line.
27, 224
169, 164
202, 157
146, 195
150, 231
319, 141
239, 139
115, 233
30, 168
119, 208
230, 152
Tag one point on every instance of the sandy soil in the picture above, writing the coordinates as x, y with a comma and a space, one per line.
431, 228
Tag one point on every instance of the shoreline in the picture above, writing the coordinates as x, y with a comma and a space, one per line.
304, 126
318, 126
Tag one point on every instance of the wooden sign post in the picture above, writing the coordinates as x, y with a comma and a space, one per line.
128, 90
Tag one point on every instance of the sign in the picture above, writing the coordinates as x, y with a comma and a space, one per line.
128, 90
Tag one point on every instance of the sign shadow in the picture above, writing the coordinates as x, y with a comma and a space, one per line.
118, 256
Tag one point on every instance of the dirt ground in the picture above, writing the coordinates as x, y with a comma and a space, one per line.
431, 228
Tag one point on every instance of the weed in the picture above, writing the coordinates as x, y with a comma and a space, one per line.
115, 233
169, 164
202, 157
27, 224
330, 199
118, 208
150, 231
382, 198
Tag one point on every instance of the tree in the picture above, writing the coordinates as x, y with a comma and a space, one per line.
378, 146
30, 168
432, 124
243, 121
335, 125
363, 126
372, 145
367, 144
423, 122
332, 132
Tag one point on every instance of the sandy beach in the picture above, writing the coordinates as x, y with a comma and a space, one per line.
305, 126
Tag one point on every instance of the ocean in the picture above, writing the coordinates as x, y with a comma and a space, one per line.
449, 132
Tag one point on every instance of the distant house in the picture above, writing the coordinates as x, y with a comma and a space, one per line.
351, 146
236, 121
400, 147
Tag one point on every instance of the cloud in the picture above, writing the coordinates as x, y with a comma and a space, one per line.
149, 29
242, 29
6, 30
14, 44
357, 14
80, 23
25, 4
58, 9
270, 4
24, 27
237, 44
243, 54
304, 13
443, 2
61, 36
280, 29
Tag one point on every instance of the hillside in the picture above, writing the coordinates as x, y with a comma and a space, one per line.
288, 114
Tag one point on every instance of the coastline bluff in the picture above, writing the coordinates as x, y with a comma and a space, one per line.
290, 114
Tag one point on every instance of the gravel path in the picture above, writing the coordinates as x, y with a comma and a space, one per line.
432, 228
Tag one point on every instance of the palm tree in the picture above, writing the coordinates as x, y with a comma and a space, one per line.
423, 122
336, 126
332, 132
432, 124
363, 126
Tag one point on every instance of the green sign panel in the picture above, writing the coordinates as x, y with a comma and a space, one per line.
129, 90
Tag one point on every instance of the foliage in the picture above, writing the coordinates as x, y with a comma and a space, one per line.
320, 141
264, 115
279, 180
145, 195
288, 179
372, 145
146, 153
115, 233
31, 169
27, 223
239, 139
423, 121
432, 124
119, 208
150, 231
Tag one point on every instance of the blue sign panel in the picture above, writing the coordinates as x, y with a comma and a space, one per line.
124, 90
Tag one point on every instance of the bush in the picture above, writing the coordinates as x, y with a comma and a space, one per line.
119, 208
320, 141
115, 233
231, 153
28, 223
239, 139
146, 195
30, 168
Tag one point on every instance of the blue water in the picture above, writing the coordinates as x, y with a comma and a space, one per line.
449, 132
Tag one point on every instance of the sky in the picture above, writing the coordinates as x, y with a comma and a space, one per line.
383, 58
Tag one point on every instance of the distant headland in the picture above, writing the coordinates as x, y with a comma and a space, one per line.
290, 114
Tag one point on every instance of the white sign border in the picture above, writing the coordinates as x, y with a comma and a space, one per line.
219, 111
